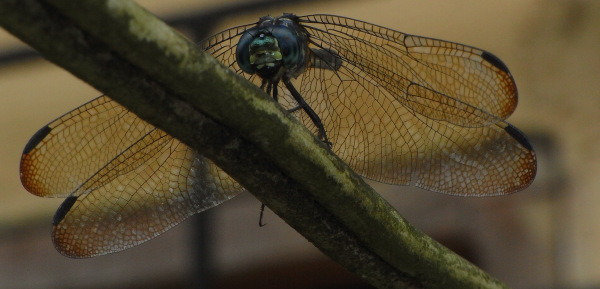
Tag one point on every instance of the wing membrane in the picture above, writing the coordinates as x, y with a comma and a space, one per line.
76, 146
126, 181
399, 60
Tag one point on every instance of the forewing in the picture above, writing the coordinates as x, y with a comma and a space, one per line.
64, 154
404, 109
459, 83
126, 181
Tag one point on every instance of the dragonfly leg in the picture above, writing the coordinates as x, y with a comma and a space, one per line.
263, 84
270, 88
262, 212
311, 113
274, 91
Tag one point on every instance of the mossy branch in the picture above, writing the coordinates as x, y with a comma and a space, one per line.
140, 62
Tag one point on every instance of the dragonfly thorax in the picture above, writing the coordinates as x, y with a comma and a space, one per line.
276, 47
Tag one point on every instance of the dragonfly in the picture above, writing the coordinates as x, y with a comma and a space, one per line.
398, 108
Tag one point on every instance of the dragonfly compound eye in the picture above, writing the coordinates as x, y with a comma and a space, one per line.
291, 46
242, 52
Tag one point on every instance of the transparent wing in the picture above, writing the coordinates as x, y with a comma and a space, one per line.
404, 109
125, 181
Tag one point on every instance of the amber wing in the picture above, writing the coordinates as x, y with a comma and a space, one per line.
408, 110
405, 109
125, 181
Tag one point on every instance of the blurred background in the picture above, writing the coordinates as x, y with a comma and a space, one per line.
547, 236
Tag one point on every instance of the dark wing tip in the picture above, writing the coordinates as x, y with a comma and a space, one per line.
495, 61
36, 139
518, 136
64, 208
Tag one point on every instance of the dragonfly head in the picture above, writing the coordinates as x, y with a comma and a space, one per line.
275, 47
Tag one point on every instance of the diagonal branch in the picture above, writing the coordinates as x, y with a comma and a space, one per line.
129, 54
